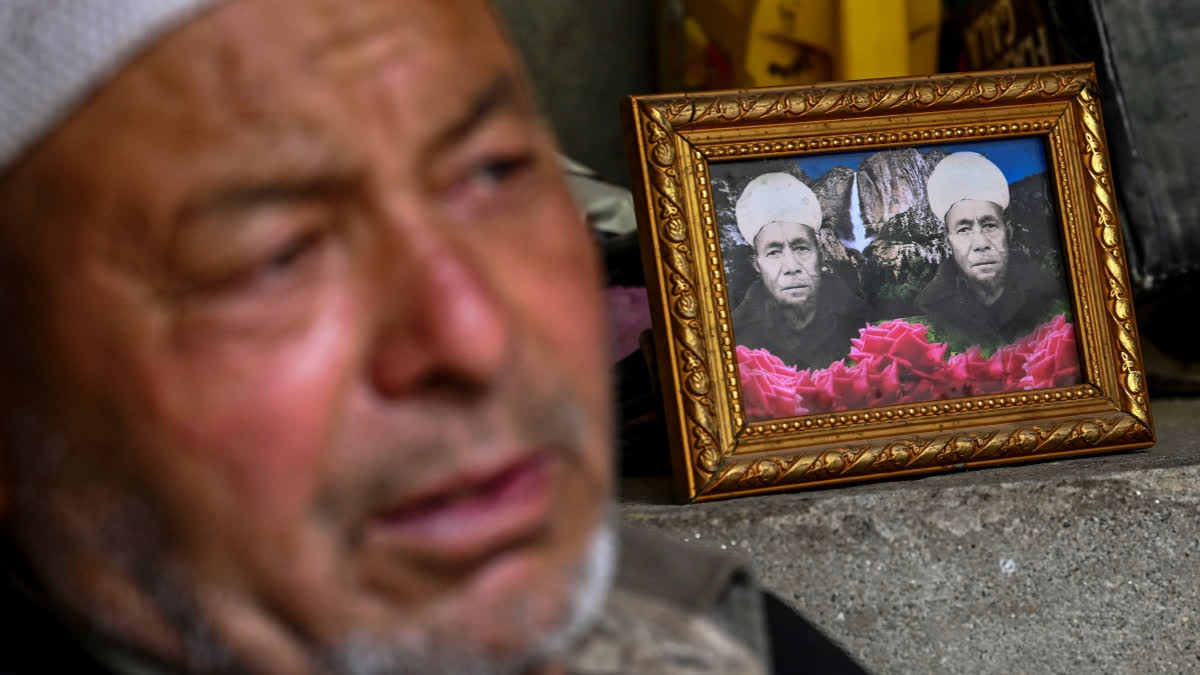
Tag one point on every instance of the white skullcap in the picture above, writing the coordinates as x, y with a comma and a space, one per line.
54, 52
776, 197
966, 175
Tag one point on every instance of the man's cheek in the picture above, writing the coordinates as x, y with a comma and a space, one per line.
552, 278
262, 417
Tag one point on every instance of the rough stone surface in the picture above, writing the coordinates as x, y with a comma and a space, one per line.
891, 182
833, 192
1089, 565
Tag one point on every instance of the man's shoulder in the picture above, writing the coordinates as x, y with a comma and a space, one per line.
941, 288
35, 638
676, 608
687, 609
841, 299
752, 305
1039, 286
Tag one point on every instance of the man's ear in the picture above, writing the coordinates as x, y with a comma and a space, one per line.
754, 261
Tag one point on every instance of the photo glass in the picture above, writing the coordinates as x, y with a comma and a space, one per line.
894, 276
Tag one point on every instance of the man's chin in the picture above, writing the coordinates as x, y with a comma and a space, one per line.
986, 272
796, 297
517, 622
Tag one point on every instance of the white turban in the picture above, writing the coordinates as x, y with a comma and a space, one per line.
776, 197
966, 175
53, 53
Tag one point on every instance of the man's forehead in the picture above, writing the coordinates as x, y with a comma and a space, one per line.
258, 90
255, 39
974, 209
781, 231
347, 36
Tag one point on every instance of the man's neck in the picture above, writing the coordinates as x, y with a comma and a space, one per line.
798, 317
988, 294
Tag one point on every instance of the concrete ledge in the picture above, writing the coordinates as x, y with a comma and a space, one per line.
1089, 565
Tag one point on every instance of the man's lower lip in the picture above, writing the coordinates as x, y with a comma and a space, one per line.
506, 509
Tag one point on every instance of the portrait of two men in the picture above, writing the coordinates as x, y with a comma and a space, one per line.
894, 276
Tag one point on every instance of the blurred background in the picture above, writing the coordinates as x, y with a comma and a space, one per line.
587, 55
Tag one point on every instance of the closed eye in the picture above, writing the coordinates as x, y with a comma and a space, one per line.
293, 252
498, 170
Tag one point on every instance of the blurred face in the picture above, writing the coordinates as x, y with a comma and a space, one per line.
978, 236
786, 256
322, 382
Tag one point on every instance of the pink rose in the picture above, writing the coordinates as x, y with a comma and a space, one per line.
901, 364
974, 375
894, 363
1045, 358
1053, 359
812, 390
768, 385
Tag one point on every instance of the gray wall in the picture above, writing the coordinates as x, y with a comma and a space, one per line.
585, 56
1155, 52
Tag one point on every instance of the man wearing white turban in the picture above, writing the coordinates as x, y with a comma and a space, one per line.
984, 293
304, 367
796, 309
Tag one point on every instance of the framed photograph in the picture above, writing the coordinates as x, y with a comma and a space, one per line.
884, 278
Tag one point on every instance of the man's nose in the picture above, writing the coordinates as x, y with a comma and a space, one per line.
445, 325
979, 242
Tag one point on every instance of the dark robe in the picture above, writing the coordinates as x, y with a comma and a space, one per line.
758, 323
693, 584
957, 316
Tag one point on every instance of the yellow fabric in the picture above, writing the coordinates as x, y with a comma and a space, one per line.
755, 43
873, 39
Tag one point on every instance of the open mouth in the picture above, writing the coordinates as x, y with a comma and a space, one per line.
471, 518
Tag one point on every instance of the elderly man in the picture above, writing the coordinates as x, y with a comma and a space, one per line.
983, 294
304, 368
795, 309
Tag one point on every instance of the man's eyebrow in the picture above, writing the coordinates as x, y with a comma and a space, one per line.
247, 195
501, 92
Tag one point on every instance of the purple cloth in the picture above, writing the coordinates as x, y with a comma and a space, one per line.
628, 316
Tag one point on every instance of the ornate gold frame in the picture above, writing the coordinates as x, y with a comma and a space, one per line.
715, 452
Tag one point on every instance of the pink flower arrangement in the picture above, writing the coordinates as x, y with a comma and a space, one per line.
894, 363
768, 385
629, 315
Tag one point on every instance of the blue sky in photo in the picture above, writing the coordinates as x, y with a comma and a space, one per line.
1016, 157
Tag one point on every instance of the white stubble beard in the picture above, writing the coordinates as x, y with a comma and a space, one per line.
365, 654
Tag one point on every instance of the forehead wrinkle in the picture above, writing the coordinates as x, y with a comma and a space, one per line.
364, 35
233, 105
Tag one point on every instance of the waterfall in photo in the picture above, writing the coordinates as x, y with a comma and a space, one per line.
860, 240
